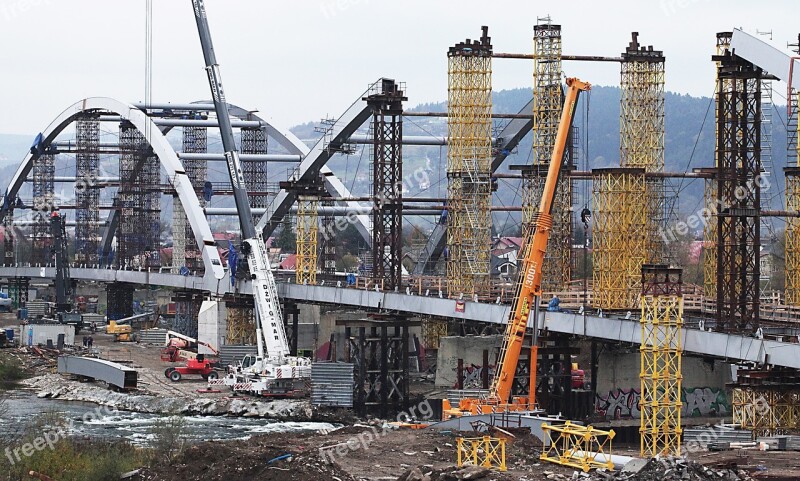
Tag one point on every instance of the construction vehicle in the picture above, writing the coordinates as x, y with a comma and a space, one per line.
272, 370
529, 288
121, 332
179, 348
199, 365
63, 283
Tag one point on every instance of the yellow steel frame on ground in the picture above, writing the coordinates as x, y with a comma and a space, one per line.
547, 106
642, 135
307, 228
582, 447
469, 192
487, 452
619, 240
660, 351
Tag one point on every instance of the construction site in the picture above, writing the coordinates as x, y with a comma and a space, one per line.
520, 309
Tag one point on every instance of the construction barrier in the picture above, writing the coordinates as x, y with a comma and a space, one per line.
486, 451
581, 447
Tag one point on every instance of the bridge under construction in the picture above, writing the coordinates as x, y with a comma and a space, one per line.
115, 168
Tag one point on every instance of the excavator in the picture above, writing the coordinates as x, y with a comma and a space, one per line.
529, 288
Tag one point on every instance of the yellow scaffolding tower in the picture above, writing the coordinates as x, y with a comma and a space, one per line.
432, 332
619, 247
547, 103
241, 330
660, 351
766, 410
642, 133
307, 228
469, 192
793, 204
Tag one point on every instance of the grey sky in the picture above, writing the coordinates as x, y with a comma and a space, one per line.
302, 60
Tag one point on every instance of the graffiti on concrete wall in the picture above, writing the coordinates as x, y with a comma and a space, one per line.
700, 401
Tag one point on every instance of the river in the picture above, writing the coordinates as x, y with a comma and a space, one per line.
93, 421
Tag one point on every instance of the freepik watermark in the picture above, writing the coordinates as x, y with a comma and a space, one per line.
421, 412
51, 437
11, 10
419, 178
703, 216
670, 7
755, 410
331, 8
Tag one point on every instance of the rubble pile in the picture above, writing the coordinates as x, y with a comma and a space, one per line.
663, 469
426, 473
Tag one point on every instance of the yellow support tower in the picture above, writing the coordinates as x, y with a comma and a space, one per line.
432, 332
547, 103
307, 228
661, 350
793, 204
619, 249
241, 322
642, 133
469, 191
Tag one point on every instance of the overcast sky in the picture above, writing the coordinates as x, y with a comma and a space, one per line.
302, 60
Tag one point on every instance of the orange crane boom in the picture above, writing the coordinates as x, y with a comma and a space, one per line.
529, 283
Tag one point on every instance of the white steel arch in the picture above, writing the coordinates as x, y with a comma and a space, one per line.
161, 147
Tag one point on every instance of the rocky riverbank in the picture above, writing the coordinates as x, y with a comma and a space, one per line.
57, 387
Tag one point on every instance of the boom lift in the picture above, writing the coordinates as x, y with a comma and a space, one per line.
63, 283
529, 287
273, 371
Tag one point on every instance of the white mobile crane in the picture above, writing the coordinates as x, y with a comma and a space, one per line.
272, 371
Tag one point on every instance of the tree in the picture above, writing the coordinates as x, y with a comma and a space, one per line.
287, 239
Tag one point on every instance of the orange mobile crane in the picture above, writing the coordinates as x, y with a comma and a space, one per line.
529, 287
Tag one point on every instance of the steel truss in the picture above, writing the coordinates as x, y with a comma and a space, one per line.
469, 158
87, 192
139, 198
379, 352
739, 191
387, 182
43, 204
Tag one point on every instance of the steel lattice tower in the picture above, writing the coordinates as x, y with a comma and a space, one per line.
44, 169
723, 43
619, 247
307, 229
469, 189
185, 251
738, 187
660, 351
387, 183
792, 173
254, 141
547, 106
87, 194
139, 196
327, 244
642, 133
9, 237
